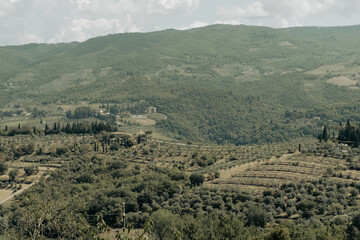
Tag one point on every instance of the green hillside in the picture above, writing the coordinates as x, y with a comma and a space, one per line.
223, 84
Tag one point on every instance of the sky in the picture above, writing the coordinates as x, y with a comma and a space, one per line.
54, 21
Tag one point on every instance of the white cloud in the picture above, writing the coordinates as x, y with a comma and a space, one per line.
173, 4
23, 21
84, 28
196, 24
229, 22
350, 7
114, 8
284, 23
6, 6
104, 7
33, 38
281, 13
254, 10
199, 24
298, 9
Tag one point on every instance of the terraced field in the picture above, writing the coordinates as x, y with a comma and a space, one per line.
41, 160
294, 167
252, 167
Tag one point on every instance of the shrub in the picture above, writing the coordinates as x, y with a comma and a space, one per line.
256, 216
13, 174
61, 150
85, 178
196, 179
3, 168
31, 170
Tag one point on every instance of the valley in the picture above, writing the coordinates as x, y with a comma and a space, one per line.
221, 132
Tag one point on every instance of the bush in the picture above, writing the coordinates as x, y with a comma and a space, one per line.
164, 223
197, 179
31, 170
255, 216
279, 234
354, 192
3, 168
356, 221
85, 178
114, 146
13, 174
61, 150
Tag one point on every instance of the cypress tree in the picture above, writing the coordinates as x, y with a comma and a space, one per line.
325, 134
347, 130
319, 137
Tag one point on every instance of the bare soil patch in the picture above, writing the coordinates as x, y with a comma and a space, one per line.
342, 81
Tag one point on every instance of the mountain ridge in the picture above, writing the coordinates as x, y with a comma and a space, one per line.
229, 62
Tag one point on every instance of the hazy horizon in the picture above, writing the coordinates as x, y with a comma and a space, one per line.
51, 21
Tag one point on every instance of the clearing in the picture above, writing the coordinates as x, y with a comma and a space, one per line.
342, 81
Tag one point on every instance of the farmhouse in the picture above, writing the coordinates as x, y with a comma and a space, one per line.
151, 110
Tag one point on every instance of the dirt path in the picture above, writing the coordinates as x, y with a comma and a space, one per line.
17, 192
20, 191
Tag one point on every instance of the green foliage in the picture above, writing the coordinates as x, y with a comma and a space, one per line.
13, 174
196, 179
356, 221
350, 134
31, 170
94, 183
279, 234
263, 92
57, 218
214, 227
61, 150
164, 224
256, 216
85, 178
79, 113
84, 198
3, 168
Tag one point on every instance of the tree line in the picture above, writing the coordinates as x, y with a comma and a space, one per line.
349, 134
84, 127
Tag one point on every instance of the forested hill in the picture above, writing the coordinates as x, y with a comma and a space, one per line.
236, 84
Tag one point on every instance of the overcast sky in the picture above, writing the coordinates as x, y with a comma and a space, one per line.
52, 21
